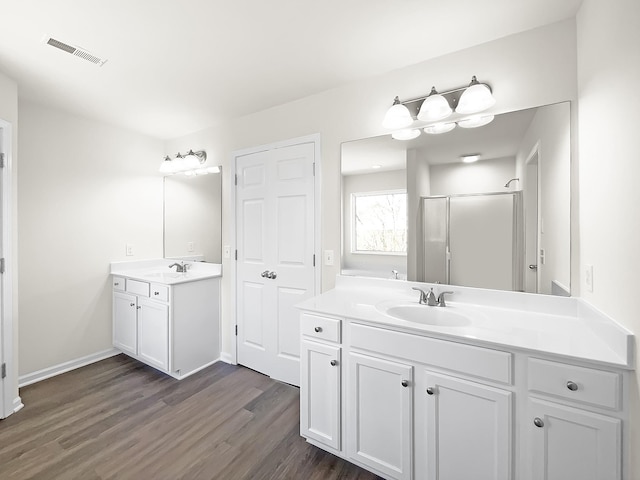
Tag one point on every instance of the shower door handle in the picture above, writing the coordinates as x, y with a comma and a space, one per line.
533, 267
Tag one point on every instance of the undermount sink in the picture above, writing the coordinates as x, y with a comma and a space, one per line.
164, 275
415, 312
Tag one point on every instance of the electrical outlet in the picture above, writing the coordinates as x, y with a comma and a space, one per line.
328, 257
129, 249
588, 277
227, 251
190, 247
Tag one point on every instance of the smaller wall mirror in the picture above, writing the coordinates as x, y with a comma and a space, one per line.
502, 222
193, 217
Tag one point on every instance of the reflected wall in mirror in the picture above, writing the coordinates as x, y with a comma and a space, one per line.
502, 222
193, 217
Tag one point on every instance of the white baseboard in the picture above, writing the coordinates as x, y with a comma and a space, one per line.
17, 404
49, 372
227, 358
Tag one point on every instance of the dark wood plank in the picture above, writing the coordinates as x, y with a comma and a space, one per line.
120, 419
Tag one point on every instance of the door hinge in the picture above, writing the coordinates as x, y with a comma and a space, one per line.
236, 254
3, 373
235, 178
314, 169
1, 265
314, 259
236, 330
1, 160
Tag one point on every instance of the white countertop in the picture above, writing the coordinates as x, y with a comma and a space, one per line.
158, 271
563, 326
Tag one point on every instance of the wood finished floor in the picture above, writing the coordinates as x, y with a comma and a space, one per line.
120, 419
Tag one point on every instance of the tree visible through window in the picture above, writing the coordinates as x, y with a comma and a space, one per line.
380, 222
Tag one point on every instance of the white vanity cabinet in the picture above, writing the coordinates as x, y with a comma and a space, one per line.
320, 383
174, 328
574, 423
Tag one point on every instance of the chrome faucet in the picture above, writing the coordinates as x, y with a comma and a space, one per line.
180, 267
430, 298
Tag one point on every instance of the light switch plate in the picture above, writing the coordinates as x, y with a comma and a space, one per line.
226, 252
328, 257
129, 250
190, 247
588, 277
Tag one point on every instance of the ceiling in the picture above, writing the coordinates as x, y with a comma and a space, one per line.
179, 66
501, 138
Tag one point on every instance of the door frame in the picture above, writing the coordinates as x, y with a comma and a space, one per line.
233, 311
8, 404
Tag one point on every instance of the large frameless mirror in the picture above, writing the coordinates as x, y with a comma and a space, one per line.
419, 210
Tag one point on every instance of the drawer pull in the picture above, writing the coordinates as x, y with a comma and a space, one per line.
317, 329
334, 363
430, 391
573, 386
538, 422
405, 383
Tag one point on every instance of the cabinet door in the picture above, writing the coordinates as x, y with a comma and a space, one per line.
124, 322
153, 333
320, 393
569, 443
379, 416
468, 429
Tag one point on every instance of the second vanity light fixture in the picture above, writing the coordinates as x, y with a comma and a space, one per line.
436, 107
189, 163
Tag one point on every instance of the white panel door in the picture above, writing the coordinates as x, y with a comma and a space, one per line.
320, 393
468, 430
569, 443
379, 414
275, 268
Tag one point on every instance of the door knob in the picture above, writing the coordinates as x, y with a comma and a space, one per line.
405, 383
265, 274
272, 275
533, 267
334, 363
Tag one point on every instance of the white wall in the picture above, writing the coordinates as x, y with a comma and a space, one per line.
371, 182
483, 176
515, 66
85, 190
608, 72
9, 113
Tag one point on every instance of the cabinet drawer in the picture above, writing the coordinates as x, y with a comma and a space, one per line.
323, 328
578, 384
138, 287
118, 283
159, 292
470, 360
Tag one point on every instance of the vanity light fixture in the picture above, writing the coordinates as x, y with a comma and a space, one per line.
406, 134
472, 99
184, 163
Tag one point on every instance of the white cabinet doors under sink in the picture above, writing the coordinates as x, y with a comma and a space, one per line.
125, 335
467, 428
379, 414
153, 333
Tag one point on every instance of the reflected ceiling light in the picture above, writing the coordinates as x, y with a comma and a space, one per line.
398, 116
376, 167
435, 107
476, 121
439, 128
476, 98
190, 163
470, 158
406, 134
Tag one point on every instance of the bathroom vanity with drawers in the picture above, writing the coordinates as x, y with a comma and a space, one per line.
501, 386
166, 319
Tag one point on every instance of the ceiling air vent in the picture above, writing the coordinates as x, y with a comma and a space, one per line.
77, 51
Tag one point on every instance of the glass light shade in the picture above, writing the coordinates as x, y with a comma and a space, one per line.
191, 162
475, 98
439, 128
406, 134
215, 169
167, 166
476, 121
435, 107
398, 116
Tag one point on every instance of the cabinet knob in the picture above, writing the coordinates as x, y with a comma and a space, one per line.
132, 304
573, 386
430, 391
318, 329
334, 363
156, 293
405, 383
116, 284
538, 422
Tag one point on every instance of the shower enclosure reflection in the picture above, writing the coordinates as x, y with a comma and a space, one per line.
502, 222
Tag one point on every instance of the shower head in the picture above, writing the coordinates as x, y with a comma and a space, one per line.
506, 185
